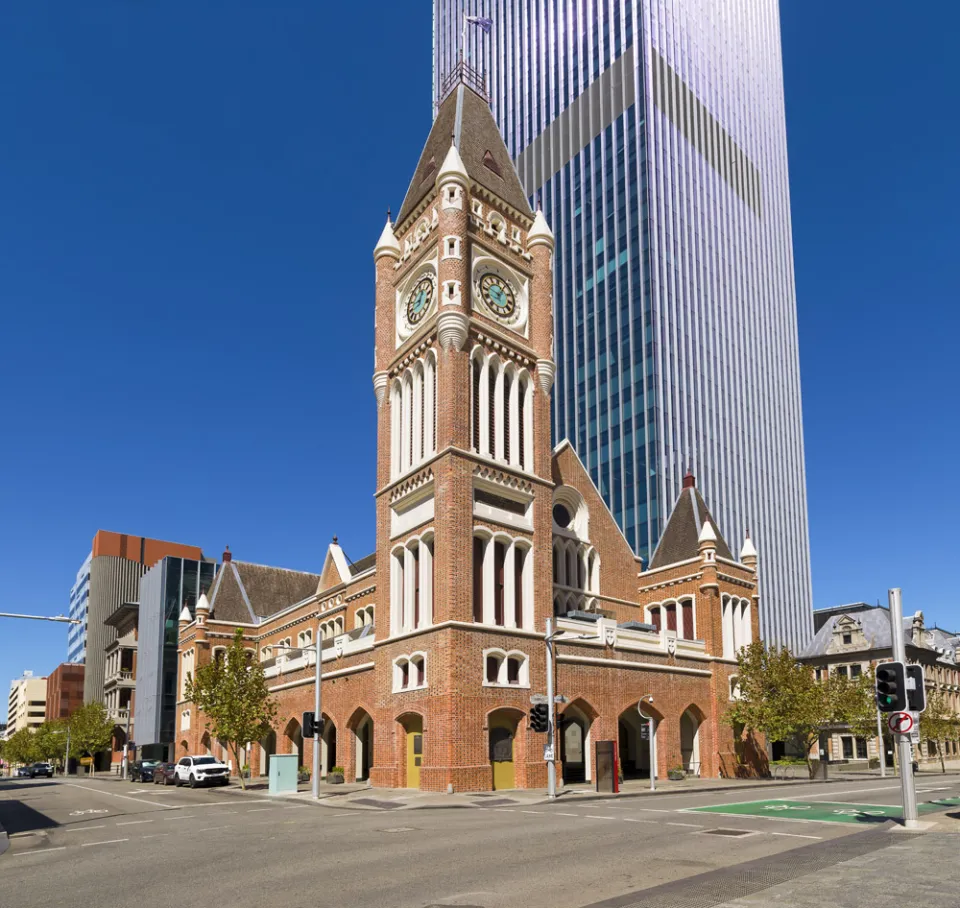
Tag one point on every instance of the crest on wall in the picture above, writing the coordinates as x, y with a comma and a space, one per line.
338, 646
610, 635
672, 644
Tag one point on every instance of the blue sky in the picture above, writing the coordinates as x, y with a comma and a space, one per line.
190, 200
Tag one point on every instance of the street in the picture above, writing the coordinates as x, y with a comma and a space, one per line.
118, 844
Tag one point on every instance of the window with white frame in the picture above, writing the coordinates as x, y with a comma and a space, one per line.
501, 425
410, 672
186, 671
736, 625
266, 652
413, 415
674, 616
576, 563
505, 669
185, 720
363, 617
304, 639
332, 628
502, 580
411, 584
735, 693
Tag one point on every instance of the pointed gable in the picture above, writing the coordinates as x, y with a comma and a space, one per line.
465, 119
247, 592
681, 538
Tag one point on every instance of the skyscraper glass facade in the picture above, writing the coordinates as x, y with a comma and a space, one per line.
654, 136
79, 604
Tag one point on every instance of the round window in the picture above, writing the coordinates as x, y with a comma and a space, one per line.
561, 516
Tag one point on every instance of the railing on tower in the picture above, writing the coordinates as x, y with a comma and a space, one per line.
470, 76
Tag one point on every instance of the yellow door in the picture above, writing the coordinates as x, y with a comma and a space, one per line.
501, 754
414, 751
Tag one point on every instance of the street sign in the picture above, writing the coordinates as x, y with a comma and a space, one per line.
900, 723
86, 761
915, 737
538, 698
548, 752
645, 732
559, 698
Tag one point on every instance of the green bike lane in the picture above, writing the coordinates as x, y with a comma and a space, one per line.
793, 809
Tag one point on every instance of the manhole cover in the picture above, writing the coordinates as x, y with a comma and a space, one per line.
372, 802
727, 832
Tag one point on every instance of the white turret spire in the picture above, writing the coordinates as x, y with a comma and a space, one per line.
387, 244
452, 167
540, 233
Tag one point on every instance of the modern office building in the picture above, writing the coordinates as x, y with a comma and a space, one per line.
165, 590
79, 601
64, 690
117, 562
654, 136
27, 704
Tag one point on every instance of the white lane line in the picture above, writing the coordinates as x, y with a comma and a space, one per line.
654, 810
634, 820
505, 810
113, 794
533, 811
558, 813
156, 835
831, 794
107, 842
350, 814
185, 816
757, 816
691, 825
259, 809
20, 854
134, 822
591, 816
796, 835
83, 829
212, 828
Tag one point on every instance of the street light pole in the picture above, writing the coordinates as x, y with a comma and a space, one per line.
317, 717
61, 619
904, 748
653, 750
551, 710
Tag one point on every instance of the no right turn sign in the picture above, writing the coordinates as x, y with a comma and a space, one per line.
900, 723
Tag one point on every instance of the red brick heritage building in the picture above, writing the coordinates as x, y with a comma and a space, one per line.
433, 645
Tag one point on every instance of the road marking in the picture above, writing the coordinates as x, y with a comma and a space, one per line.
830, 794
635, 820
655, 810
505, 810
156, 835
188, 816
212, 828
532, 811
796, 835
113, 794
691, 825
259, 809
20, 854
107, 842
350, 814
134, 822
591, 816
558, 813
84, 828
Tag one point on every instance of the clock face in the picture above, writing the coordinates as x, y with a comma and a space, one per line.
419, 300
498, 295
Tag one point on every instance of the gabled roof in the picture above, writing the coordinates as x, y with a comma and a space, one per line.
247, 592
680, 539
464, 119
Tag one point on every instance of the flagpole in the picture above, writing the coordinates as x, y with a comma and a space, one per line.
463, 40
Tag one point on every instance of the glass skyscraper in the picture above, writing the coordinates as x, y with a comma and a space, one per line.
79, 605
654, 136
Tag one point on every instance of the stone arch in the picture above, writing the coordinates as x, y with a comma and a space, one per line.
574, 728
328, 746
206, 743
504, 746
361, 726
268, 747
294, 735
692, 739
634, 750
184, 748
410, 743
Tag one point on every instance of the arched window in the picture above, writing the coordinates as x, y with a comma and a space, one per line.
185, 720
411, 585
410, 672
502, 581
413, 414
687, 632
505, 669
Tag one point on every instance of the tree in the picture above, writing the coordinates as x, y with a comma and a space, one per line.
91, 729
51, 741
939, 723
233, 695
781, 698
21, 747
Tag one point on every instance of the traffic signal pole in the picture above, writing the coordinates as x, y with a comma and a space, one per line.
317, 717
904, 749
551, 712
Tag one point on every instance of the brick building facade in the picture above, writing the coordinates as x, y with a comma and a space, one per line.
432, 646
64, 690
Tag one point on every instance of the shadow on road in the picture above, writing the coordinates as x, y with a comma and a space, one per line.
15, 816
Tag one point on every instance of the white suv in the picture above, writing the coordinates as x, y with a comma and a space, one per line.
203, 770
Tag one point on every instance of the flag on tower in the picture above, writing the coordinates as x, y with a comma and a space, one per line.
481, 22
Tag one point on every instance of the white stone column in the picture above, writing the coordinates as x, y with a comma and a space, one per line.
415, 454
395, 430
498, 415
406, 395
429, 419
527, 618
485, 404
489, 552
426, 585
408, 589
528, 426
514, 427
396, 595
509, 587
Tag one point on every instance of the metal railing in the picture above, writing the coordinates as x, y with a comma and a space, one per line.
469, 75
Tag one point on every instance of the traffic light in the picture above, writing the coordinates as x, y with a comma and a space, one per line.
308, 727
891, 687
539, 717
917, 697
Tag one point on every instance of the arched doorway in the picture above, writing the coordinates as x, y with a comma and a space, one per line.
205, 744
268, 747
328, 746
294, 736
362, 726
690, 742
573, 727
633, 737
412, 725
502, 726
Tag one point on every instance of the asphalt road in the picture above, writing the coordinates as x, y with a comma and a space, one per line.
117, 844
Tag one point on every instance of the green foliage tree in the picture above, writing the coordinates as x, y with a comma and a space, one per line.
91, 729
235, 700
781, 699
51, 741
939, 723
21, 747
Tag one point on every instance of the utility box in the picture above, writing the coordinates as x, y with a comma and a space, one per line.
607, 771
283, 773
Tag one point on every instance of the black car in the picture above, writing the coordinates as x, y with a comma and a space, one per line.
40, 769
142, 770
163, 773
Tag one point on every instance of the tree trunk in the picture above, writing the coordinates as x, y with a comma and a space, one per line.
943, 766
236, 756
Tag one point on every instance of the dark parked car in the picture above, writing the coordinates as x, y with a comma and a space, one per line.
36, 770
163, 773
23, 772
142, 770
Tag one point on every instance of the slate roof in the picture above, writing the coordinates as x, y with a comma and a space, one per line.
465, 119
875, 624
680, 539
364, 564
247, 592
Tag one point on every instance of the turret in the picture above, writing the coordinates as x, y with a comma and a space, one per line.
707, 542
748, 554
